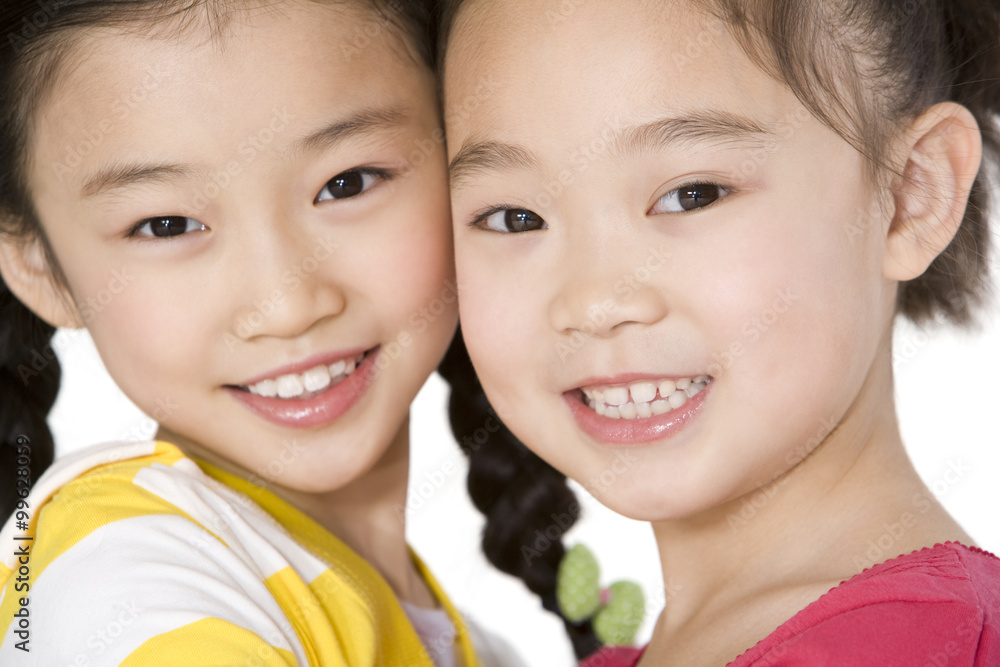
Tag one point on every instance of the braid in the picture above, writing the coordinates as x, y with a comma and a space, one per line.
29, 382
527, 503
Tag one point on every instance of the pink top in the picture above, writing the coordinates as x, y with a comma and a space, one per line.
934, 607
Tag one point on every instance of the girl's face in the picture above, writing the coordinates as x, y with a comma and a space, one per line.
253, 213
638, 209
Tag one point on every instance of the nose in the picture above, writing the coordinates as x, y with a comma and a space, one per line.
291, 285
610, 287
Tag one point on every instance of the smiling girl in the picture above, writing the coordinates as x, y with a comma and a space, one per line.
683, 232
245, 204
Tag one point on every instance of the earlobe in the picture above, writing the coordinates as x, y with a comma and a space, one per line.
944, 148
25, 270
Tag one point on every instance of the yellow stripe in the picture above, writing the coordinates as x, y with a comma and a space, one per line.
101, 496
359, 603
210, 642
463, 638
308, 617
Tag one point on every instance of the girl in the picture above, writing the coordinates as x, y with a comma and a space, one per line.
683, 231
245, 204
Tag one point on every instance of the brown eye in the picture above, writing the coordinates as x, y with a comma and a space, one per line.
689, 198
168, 226
697, 196
512, 221
349, 184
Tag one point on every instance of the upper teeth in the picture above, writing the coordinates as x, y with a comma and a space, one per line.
295, 385
639, 399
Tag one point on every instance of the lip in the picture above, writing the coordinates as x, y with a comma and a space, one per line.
634, 431
320, 410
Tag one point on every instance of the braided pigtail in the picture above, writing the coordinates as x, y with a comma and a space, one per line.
29, 382
527, 503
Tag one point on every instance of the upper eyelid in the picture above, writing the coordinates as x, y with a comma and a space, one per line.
381, 173
493, 210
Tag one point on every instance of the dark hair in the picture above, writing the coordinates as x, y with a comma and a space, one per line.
527, 503
891, 60
36, 34
864, 67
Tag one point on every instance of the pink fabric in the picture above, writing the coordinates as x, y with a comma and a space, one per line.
937, 607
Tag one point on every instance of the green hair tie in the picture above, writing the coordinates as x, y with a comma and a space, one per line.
615, 612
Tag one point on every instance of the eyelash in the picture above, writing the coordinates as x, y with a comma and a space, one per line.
725, 192
134, 232
478, 222
381, 174
482, 217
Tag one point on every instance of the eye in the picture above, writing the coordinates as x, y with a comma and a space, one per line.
167, 226
689, 198
510, 221
350, 184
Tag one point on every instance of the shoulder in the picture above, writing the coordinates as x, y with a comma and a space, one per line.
614, 656
942, 601
135, 549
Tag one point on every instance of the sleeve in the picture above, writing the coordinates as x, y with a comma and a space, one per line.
153, 589
885, 634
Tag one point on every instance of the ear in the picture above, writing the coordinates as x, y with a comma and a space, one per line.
25, 269
943, 150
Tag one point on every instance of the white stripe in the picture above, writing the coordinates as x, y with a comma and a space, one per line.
135, 579
63, 471
240, 522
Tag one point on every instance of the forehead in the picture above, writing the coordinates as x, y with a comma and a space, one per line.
200, 89
597, 64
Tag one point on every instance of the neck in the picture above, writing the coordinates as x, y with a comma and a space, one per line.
364, 514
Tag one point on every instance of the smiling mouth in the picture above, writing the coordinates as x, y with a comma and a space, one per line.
308, 384
642, 399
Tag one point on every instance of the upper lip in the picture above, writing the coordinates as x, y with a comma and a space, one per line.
304, 365
629, 378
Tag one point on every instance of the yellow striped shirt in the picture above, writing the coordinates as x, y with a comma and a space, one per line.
138, 555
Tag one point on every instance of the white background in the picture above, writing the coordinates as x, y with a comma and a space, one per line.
948, 401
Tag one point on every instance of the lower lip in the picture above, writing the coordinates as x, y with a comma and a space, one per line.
634, 431
316, 411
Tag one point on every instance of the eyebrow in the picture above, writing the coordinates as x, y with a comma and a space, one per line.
122, 175
362, 123
359, 124
485, 156
705, 127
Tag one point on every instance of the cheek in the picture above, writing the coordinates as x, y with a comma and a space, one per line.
154, 345
495, 317
411, 275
